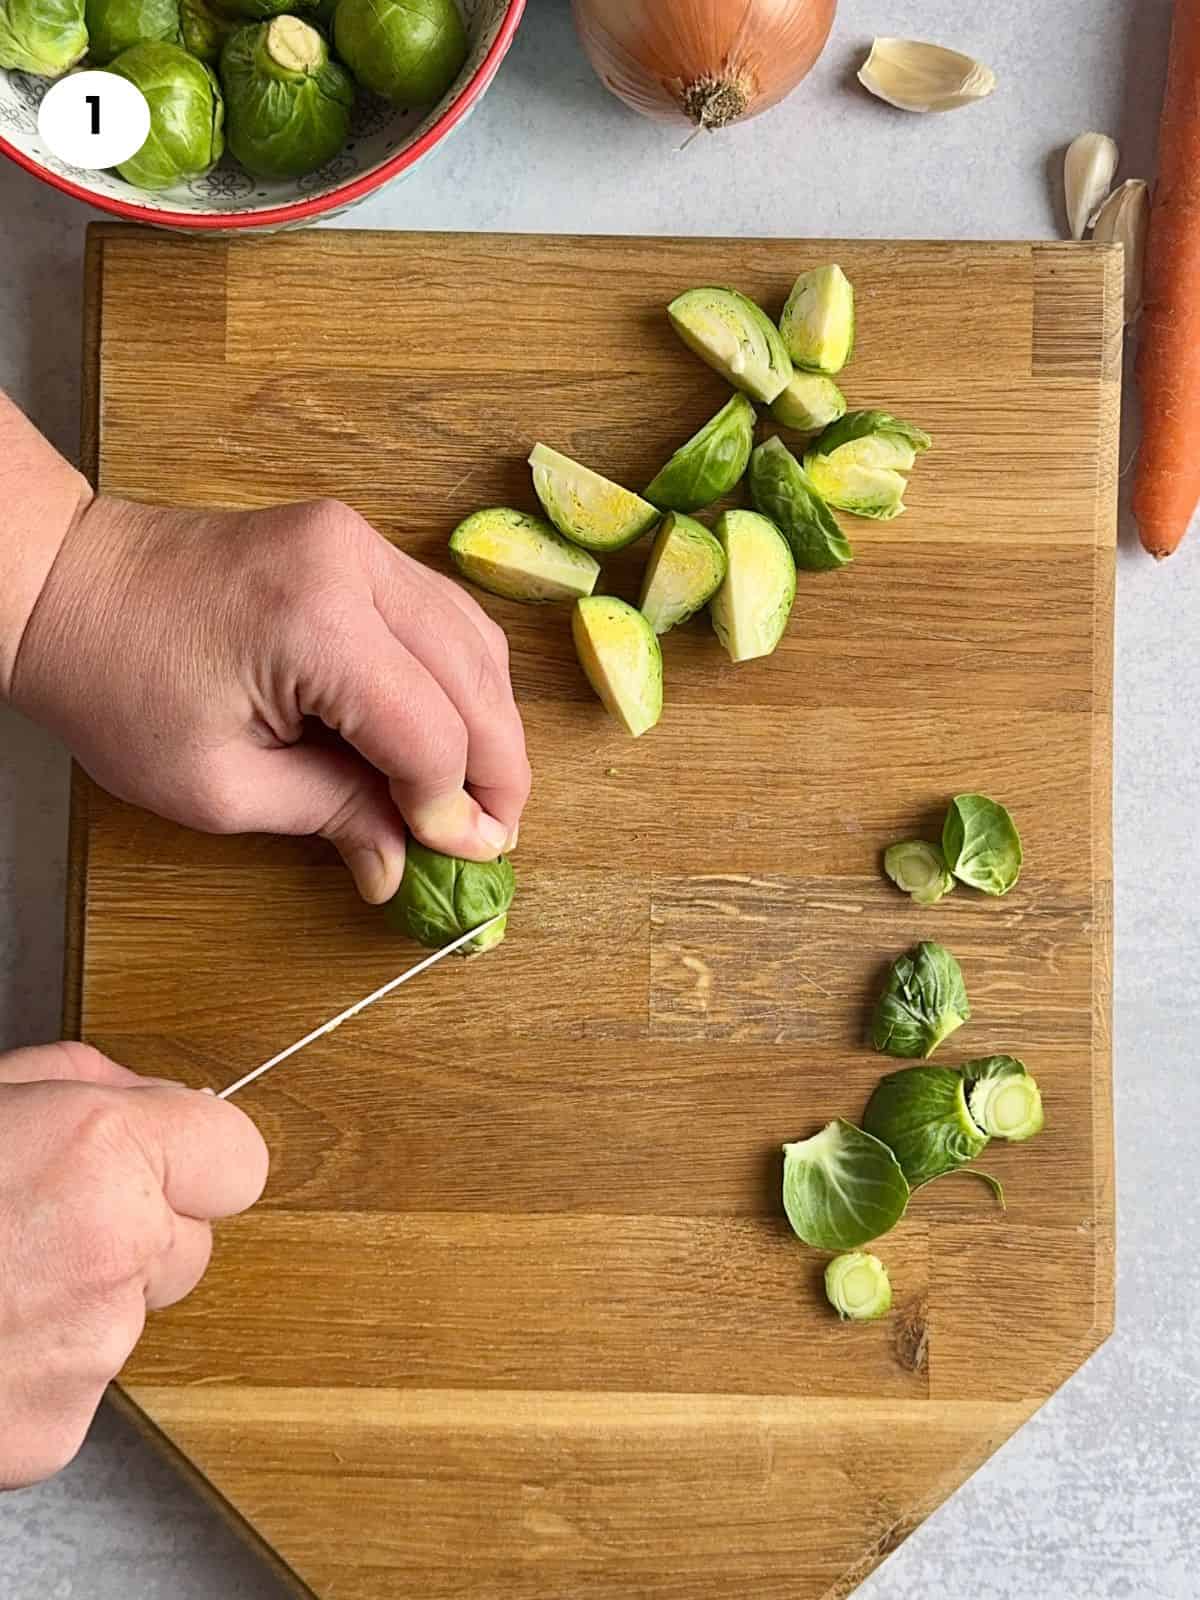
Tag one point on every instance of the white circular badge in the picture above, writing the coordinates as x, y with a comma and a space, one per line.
94, 119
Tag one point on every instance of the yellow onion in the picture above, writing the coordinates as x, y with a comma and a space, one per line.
705, 62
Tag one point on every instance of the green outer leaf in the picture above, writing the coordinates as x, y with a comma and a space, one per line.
981, 844
44, 37
921, 1113
897, 859
923, 1002
114, 25
710, 463
841, 1269
842, 1188
782, 491
409, 51
859, 424
442, 896
283, 123
685, 568
187, 115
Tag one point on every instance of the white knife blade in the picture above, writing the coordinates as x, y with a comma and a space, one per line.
359, 1005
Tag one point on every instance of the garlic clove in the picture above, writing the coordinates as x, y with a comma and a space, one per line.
1123, 219
923, 77
1088, 171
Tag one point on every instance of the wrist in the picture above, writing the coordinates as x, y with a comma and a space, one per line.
41, 498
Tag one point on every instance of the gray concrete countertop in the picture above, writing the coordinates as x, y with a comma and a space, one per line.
1095, 1498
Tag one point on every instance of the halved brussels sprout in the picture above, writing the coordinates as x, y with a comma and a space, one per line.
919, 869
287, 101
735, 337
981, 843
114, 25
858, 1288
186, 115
842, 1187
923, 1002
619, 652
750, 610
710, 463
42, 37
204, 30
809, 403
442, 897
781, 490
589, 510
521, 557
921, 1115
818, 320
1003, 1099
858, 463
409, 51
684, 571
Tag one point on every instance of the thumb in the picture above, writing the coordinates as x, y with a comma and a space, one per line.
334, 793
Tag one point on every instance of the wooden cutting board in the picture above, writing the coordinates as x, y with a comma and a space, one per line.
519, 1315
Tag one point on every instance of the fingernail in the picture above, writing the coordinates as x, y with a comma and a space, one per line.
513, 837
370, 874
494, 834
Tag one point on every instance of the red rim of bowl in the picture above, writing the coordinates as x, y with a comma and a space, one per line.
300, 210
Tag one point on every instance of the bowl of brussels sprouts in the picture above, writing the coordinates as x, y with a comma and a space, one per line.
264, 114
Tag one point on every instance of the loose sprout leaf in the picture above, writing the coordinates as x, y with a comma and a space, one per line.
842, 1188
710, 463
858, 1288
921, 1114
981, 844
923, 1001
782, 491
919, 869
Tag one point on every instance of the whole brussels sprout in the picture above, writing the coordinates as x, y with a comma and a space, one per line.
186, 115
288, 104
441, 897
262, 10
203, 30
409, 51
44, 37
114, 25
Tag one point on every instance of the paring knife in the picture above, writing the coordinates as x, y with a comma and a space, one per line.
360, 1005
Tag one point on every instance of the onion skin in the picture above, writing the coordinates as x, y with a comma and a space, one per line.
705, 63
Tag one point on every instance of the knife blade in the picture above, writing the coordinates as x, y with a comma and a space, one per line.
359, 1005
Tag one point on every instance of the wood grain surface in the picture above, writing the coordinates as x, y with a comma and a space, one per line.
519, 1318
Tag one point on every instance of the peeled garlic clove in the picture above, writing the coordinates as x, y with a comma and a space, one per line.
1123, 219
923, 77
1087, 175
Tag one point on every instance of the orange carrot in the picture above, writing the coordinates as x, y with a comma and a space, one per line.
1168, 366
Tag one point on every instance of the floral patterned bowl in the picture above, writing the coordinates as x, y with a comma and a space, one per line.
385, 141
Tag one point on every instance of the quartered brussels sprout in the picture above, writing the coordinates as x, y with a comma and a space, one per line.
114, 25
685, 570
919, 869
42, 37
981, 843
186, 115
735, 337
923, 1002
858, 1288
409, 51
809, 403
1003, 1099
287, 102
842, 1187
750, 610
710, 463
521, 557
204, 30
858, 463
781, 490
589, 510
818, 320
442, 897
619, 652
921, 1114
